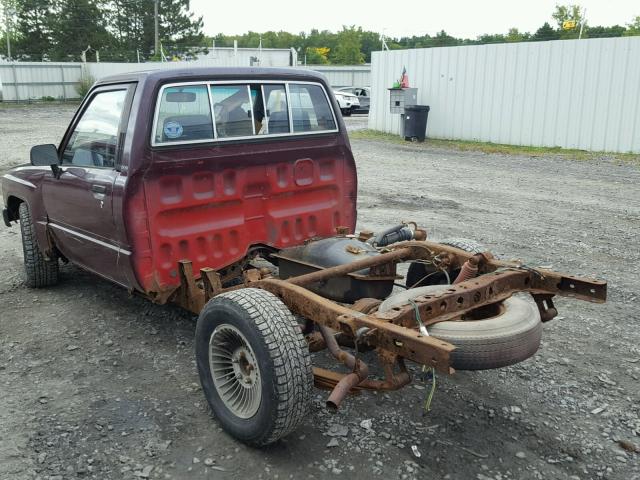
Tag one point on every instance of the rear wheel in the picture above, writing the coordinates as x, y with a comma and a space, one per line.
40, 271
254, 365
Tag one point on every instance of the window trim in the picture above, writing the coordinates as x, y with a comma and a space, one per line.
248, 82
129, 89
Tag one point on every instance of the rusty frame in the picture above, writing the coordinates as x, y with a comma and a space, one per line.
395, 334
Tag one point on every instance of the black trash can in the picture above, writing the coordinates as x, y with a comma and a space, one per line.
415, 122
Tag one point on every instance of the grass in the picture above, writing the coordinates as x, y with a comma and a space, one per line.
38, 103
485, 147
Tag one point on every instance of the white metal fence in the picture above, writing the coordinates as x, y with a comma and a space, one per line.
28, 81
581, 94
345, 76
35, 80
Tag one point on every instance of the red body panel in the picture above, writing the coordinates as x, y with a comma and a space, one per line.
212, 204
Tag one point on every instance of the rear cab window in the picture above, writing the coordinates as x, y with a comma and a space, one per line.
219, 111
184, 115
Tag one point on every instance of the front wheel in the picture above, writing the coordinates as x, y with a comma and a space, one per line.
254, 365
346, 112
40, 271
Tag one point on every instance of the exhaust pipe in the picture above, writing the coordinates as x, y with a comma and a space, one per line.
359, 374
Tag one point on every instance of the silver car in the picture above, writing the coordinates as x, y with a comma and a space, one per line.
363, 94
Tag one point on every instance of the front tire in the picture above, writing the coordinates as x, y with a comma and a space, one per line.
40, 271
254, 365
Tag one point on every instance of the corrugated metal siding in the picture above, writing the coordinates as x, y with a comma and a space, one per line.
344, 76
581, 94
34, 80
59, 80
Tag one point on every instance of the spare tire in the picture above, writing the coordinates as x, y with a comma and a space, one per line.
512, 334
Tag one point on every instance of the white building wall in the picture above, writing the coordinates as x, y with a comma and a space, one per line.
582, 94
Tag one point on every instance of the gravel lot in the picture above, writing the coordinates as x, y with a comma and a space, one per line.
99, 385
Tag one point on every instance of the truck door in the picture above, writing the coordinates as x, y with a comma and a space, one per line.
79, 203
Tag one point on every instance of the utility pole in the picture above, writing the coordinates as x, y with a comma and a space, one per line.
384, 45
7, 17
584, 15
156, 48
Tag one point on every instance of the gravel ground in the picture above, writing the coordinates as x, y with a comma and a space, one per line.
99, 385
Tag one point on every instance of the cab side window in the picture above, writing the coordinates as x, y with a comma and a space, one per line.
184, 115
310, 109
277, 109
94, 140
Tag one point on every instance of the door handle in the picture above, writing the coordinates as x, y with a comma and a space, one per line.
99, 188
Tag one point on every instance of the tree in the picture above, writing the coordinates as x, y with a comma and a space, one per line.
443, 39
32, 29
348, 50
564, 13
514, 35
370, 42
544, 33
495, 38
633, 28
605, 32
76, 25
132, 25
7, 10
127, 23
316, 56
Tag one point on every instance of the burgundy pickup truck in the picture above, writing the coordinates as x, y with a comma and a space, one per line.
232, 192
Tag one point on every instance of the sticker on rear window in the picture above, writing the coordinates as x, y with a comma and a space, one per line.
173, 130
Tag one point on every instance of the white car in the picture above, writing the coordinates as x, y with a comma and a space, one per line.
347, 102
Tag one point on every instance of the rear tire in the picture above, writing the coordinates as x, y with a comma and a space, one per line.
254, 365
40, 271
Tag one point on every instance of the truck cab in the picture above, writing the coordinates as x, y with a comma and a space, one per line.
213, 165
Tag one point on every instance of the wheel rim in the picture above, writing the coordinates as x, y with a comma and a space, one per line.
235, 371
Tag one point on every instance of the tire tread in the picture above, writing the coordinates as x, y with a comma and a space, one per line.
40, 271
288, 350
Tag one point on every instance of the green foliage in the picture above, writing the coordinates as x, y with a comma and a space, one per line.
85, 85
605, 32
544, 33
514, 35
32, 29
564, 13
70, 34
633, 28
123, 30
348, 50
118, 29
316, 56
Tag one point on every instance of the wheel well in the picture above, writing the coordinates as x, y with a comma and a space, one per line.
13, 206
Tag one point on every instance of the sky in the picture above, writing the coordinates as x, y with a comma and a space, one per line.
460, 18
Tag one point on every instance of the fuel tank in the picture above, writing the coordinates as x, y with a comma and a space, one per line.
330, 252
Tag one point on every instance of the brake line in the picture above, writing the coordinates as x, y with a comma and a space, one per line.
432, 370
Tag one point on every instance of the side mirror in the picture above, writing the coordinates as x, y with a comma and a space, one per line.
44, 155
